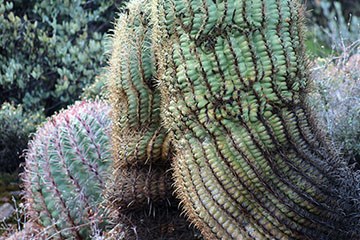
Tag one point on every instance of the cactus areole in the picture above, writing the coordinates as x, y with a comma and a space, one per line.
250, 162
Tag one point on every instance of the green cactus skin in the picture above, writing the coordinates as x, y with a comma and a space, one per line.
250, 162
140, 189
66, 167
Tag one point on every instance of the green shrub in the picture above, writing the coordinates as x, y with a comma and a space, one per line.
335, 24
50, 50
96, 90
15, 128
336, 101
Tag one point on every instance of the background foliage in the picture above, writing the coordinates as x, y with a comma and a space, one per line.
15, 128
334, 45
333, 26
51, 49
335, 99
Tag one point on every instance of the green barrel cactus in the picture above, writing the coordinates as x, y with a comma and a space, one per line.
140, 188
250, 161
67, 164
137, 133
138, 137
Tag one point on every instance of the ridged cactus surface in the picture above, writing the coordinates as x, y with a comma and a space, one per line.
250, 162
137, 131
66, 168
138, 136
140, 189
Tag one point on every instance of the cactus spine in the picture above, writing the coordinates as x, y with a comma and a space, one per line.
66, 167
249, 162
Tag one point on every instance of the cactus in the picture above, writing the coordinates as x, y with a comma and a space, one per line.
137, 135
66, 169
140, 189
215, 88
250, 161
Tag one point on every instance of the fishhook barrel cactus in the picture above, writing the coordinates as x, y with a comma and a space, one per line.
250, 161
137, 132
66, 168
138, 137
140, 189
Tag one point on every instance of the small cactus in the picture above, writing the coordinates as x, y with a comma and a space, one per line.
67, 164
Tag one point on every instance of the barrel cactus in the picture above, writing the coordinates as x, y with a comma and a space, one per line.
67, 163
250, 161
140, 188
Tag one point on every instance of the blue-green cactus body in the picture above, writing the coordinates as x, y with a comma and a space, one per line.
66, 168
140, 142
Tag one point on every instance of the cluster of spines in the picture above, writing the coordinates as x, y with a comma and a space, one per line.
249, 162
66, 169
141, 187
